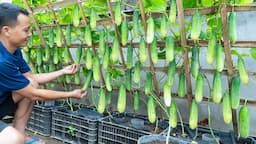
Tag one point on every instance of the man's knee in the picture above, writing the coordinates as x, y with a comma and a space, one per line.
11, 136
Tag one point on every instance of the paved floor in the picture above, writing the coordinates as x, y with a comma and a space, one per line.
48, 140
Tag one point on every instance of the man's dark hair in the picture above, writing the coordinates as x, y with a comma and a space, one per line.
9, 13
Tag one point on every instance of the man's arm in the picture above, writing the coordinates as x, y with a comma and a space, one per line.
42, 94
47, 77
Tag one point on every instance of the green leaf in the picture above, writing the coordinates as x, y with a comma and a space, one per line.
155, 6
190, 3
234, 52
253, 53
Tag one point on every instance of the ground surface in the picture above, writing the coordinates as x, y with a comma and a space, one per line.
48, 140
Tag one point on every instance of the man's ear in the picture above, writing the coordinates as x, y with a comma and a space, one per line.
5, 31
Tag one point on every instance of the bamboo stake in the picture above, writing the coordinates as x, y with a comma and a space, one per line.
185, 52
228, 58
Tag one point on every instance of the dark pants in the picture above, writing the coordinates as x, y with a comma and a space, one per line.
8, 107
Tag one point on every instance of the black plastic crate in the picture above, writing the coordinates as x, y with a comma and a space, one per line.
40, 120
160, 139
201, 135
79, 127
126, 128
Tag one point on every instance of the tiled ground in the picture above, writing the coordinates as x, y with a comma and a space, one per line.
48, 140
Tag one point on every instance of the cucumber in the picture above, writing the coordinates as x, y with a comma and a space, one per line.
121, 102
235, 92
163, 27
193, 117
151, 109
108, 81
171, 72
167, 94
142, 51
173, 114
137, 69
88, 80
129, 61
226, 108
136, 101
148, 84
217, 88
169, 53
196, 26
150, 30
173, 11
102, 42
115, 51
106, 55
219, 58
101, 102
182, 85
124, 32
244, 122
128, 80
242, 70
199, 93
96, 69
195, 62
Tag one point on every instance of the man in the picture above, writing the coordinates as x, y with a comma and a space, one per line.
18, 85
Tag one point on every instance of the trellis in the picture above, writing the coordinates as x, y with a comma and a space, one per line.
183, 43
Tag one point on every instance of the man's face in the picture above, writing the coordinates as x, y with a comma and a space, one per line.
20, 33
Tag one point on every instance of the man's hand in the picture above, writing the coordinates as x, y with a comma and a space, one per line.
71, 69
78, 93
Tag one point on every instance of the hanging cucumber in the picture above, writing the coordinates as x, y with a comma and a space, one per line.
118, 13
129, 61
78, 54
58, 36
39, 56
226, 108
195, 62
121, 102
109, 98
167, 94
217, 88
169, 53
88, 80
93, 16
115, 50
173, 11
76, 17
219, 58
96, 68
137, 69
199, 93
171, 72
142, 51
89, 58
163, 27
148, 84
193, 117
108, 81
135, 24
66, 56
68, 35
244, 121
77, 78
150, 30
242, 70
196, 25
124, 32
55, 55
153, 49
173, 114
50, 37
128, 79
210, 56
88, 36
136, 101
232, 27
151, 109
47, 53
101, 102
235, 92
182, 85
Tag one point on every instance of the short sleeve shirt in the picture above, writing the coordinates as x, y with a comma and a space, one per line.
12, 68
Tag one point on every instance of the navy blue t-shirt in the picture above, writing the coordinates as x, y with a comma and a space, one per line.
12, 67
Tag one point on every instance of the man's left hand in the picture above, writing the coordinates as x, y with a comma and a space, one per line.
71, 69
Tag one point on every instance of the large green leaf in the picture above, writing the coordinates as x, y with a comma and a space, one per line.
155, 5
253, 53
190, 3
